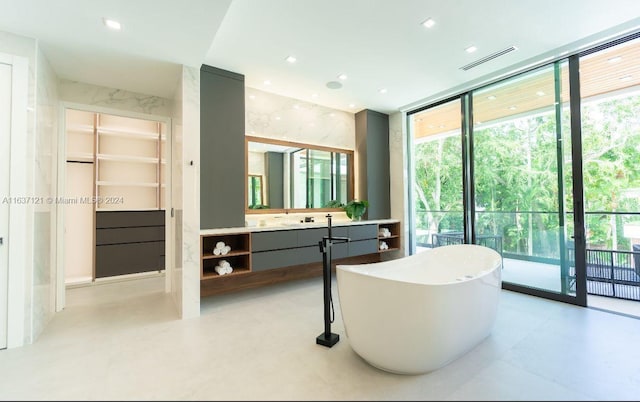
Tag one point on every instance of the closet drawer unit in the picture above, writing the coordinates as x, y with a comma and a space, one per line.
361, 232
129, 242
274, 240
121, 259
124, 219
129, 235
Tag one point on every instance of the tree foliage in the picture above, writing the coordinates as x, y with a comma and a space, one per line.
516, 167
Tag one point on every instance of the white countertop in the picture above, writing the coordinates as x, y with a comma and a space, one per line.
292, 225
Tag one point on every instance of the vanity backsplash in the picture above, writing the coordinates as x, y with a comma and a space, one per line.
294, 219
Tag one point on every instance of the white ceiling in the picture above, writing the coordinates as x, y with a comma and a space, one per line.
378, 44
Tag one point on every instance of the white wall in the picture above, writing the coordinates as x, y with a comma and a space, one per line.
187, 165
44, 214
113, 98
399, 186
279, 117
36, 300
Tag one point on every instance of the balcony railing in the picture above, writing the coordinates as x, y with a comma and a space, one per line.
610, 272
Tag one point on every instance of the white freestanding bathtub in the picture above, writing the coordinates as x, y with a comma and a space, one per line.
415, 314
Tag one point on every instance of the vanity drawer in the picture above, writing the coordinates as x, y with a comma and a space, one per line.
361, 232
339, 250
272, 259
274, 240
362, 247
311, 237
264, 260
307, 255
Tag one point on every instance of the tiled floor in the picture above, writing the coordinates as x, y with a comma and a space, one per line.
123, 341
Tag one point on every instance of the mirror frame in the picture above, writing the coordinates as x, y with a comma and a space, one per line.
350, 173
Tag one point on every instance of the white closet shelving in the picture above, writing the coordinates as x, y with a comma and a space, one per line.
129, 156
116, 162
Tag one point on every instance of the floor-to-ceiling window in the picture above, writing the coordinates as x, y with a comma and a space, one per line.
535, 145
610, 99
437, 184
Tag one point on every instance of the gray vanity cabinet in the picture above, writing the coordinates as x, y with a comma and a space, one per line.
265, 256
283, 248
363, 240
222, 153
274, 240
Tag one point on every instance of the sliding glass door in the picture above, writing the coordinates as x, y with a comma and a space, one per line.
542, 167
496, 167
522, 177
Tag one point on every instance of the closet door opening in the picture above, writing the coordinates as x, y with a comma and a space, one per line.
114, 198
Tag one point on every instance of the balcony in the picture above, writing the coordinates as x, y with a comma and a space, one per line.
611, 273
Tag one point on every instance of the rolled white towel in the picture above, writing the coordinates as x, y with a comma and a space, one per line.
221, 270
383, 245
225, 250
217, 251
220, 244
225, 266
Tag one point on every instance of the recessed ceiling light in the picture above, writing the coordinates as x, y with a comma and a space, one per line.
614, 59
351, 105
277, 117
267, 82
342, 76
382, 90
540, 93
429, 22
112, 24
512, 108
471, 49
291, 59
491, 97
252, 96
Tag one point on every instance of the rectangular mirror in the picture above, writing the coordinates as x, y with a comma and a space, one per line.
283, 175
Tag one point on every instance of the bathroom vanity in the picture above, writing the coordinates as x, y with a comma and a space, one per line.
265, 255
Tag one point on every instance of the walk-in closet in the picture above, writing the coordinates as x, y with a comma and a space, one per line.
113, 203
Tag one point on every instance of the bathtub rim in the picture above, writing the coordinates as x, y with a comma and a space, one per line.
359, 268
